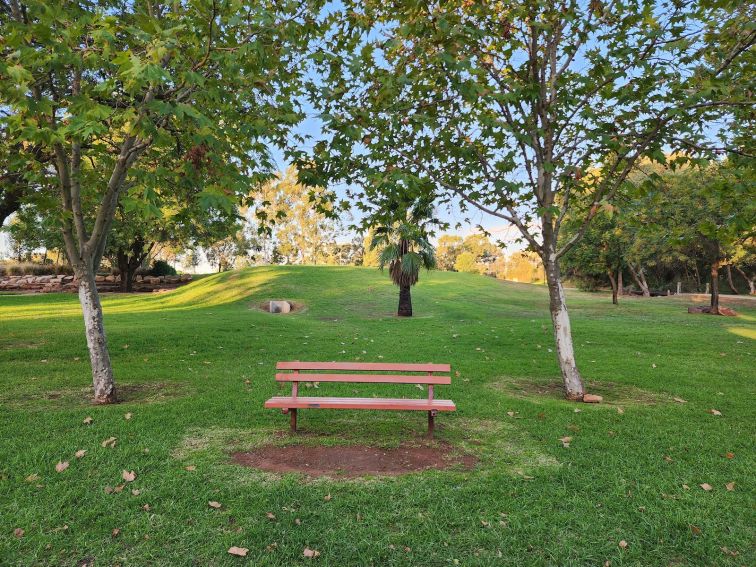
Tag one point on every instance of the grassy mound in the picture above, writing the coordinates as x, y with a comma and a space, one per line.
197, 363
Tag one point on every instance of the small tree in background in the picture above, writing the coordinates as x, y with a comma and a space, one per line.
404, 247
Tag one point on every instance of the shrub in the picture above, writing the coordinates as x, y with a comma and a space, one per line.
162, 268
32, 269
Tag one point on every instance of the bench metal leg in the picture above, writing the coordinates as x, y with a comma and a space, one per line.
293, 419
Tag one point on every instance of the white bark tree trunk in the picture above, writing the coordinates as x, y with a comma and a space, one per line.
573, 382
102, 371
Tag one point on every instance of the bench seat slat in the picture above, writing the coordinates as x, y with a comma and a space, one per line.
364, 366
360, 403
366, 378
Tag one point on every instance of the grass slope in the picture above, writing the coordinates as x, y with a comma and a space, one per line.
195, 366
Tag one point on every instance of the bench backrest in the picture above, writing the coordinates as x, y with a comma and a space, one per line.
371, 372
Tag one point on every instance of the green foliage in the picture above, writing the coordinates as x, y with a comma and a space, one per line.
162, 268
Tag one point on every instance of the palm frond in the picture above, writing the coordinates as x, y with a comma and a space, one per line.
389, 254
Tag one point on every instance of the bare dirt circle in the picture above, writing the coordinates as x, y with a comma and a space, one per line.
354, 460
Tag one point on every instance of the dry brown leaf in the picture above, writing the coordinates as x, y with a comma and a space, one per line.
695, 530
18, 532
238, 551
310, 553
32, 478
190, 468
214, 504
623, 544
511, 413
730, 455
128, 476
731, 553
270, 515
668, 458
115, 532
108, 490
146, 507
61, 466
686, 487
118, 489
88, 420
272, 547
327, 497
620, 410
136, 492
127, 415
715, 412
565, 441
80, 453
109, 442
706, 486
680, 400
730, 486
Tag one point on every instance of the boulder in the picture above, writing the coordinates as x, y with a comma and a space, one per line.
280, 307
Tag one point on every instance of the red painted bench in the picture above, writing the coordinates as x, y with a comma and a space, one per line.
367, 372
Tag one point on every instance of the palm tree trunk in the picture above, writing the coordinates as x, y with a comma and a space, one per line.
405, 301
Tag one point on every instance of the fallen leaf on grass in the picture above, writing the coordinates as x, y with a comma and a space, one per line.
270, 515
272, 547
116, 532
511, 413
88, 420
680, 400
238, 551
190, 468
32, 478
620, 410
668, 458
80, 453
127, 416
297, 521
128, 476
565, 441
109, 442
686, 487
146, 507
706, 486
18, 532
730, 455
623, 544
327, 497
136, 492
714, 412
311, 553
61, 466
214, 504
731, 553
730, 486
695, 530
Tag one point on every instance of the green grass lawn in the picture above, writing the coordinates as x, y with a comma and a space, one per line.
195, 366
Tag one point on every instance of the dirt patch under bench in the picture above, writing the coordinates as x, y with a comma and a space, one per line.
354, 460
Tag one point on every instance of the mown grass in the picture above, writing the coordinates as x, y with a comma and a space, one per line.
196, 365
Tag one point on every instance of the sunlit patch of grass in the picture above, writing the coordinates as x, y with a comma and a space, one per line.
748, 333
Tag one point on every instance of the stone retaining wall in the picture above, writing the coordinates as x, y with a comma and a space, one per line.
46, 284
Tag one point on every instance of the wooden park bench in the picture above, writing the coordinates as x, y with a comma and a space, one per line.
353, 372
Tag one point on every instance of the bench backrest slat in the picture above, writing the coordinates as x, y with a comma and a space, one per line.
364, 366
366, 378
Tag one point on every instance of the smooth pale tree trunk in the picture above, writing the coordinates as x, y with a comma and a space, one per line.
405, 301
640, 280
714, 309
614, 286
751, 281
102, 371
729, 280
573, 382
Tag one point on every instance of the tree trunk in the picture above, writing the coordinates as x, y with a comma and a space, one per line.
573, 382
714, 310
102, 371
405, 301
640, 279
613, 281
620, 283
751, 281
729, 280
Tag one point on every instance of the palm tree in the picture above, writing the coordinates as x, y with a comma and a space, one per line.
405, 249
